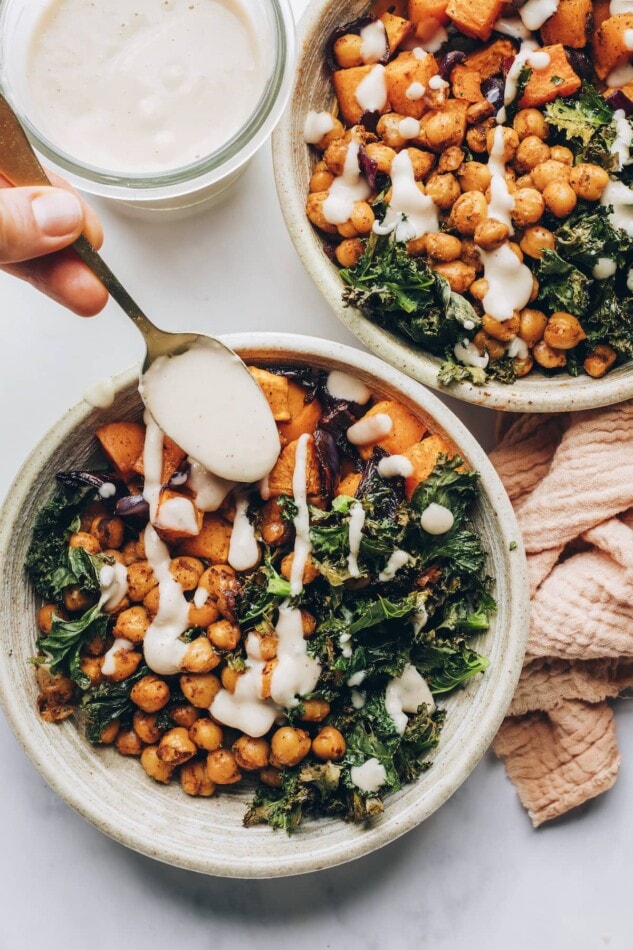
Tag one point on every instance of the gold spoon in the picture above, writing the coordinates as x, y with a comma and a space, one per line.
247, 415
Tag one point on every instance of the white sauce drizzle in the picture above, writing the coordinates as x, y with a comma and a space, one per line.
510, 282
344, 641
107, 490
370, 429
620, 76
343, 386
346, 189
317, 125
108, 667
369, 776
210, 490
501, 201
419, 619
415, 91
620, 6
244, 709
101, 394
436, 519
357, 698
467, 353
397, 560
409, 128
113, 585
356, 522
604, 268
200, 597
264, 488
405, 694
296, 673
436, 83
371, 94
534, 13
357, 678
518, 348
624, 137
539, 60
629, 280
620, 197
395, 466
243, 547
177, 514
512, 26
302, 545
410, 213
510, 90
628, 37
436, 42
374, 44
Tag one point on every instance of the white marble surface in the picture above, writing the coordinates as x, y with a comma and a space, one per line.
475, 874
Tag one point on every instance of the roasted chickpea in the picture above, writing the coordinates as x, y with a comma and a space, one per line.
140, 580
491, 234
151, 601
588, 181
128, 743
516, 250
133, 551
417, 246
274, 529
229, 678
451, 159
510, 142
194, 780
175, 747
315, 710
523, 366
363, 217
310, 570
132, 624
547, 357
532, 151
82, 539
91, 667
337, 131
444, 190
150, 694
314, 211
219, 579
443, 247
459, 275
207, 613
186, 571
382, 155
108, 531
222, 767
125, 662
308, 624
560, 198
251, 754
200, 689
537, 239
504, 330
76, 600
157, 769
524, 181
563, 331
200, 657
334, 156
548, 172
271, 777
470, 254
45, 616
95, 646
422, 162
533, 323
476, 135
529, 205
530, 122
535, 289
144, 725
289, 746
388, 129
206, 734
224, 635
479, 288
559, 153
183, 714
329, 744
110, 733
349, 252
487, 344
474, 176
599, 360
469, 210
267, 644
347, 230
321, 179
348, 51
441, 130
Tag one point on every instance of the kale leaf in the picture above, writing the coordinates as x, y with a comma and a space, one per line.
108, 702
611, 317
587, 235
453, 372
63, 644
586, 124
47, 561
562, 286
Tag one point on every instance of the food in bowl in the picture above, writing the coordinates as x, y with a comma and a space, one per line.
474, 185
302, 631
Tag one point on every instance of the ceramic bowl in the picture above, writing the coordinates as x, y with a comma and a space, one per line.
204, 834
293, 161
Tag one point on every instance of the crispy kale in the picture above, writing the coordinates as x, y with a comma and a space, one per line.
108, 702
453, 372
585, 122
47, 560
611, 317
562, 286
587, 235
63, 644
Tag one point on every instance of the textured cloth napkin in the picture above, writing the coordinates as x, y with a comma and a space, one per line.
570, 479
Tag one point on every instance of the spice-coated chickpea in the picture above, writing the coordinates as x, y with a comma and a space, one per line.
144, 725
314, 211
75, 599
348, 253
536, 240
559, 153
157, 769
334, 156
175, 747
267, 644
140, 580
204, 615
382, 155
222, 767
224, 635
251, 754
459, 275
194, 780
320, 180
338, 131
108, 531
599, 360
289, 746
388, 129
444, 190
504, 330
128, 743
329, 744
588, 181
549, 171
470, 254
90, 666
533, 323
474, 176
478, 112
563, 331
530, 122
183, 714
363, 217
529, 206
421, 162
151, 693
315, 710
200, 689
524, 181
308, 623
125, 663
469, 210
206, 734
186, 571
133, 551
82, 539
310, 570
200, 657
347, 229
547, 357
532, 151
132, 624
417, 246
510, 142
491, 234
348, 51
451, 159
109, 734
229, 678
487, 344
218, 580
523, 366
45, 616
560, 198
271, 777
479, 288
476, 135
443, 247
441, 130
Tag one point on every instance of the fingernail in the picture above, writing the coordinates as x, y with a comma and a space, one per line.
57, 213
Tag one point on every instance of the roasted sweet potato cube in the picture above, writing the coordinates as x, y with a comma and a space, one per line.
423, 457
177, 516
349, 484
212, 542
122, 443
601, 12
346, 83
475, 18
488, 61
303, 417
427, 14
173, 457
397, 29
406, 430
275, 389
401, 73
281, 477
609, 44
570, 25
466, 83
557, 79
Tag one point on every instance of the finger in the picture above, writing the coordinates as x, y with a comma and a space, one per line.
67, 280
37, 221
92, 226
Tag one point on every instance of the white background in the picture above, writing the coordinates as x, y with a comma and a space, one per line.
474, 874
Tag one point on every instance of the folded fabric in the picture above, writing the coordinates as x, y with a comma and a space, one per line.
570, 479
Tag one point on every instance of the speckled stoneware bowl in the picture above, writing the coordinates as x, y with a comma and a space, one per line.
205, 834
293, 160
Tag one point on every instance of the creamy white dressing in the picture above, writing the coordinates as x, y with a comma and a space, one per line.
112, 584
200, 597
534, 13
343, 386
605, 267
264, 488
100, 394
467, 353
374, 45
296, 673
410, 213
436, 83
436, 41
317, 124
620, 6
405, 694
357, 678
620, 76
355, 534
244, 709
243, 547
518, 348
623, 138
358, 699
415, 91
345, 643
528, 47
628, 37
512, 26
301, 520
369, 776
395, 466
370, 429
209, 404
436, 519
620, 197
177, 514
107, 490
409, 128
108, 667
209, 489
419, 619
144, 87
346, 189
396, 561
539, 60
371, 94
629, 280
510, 282
501, 201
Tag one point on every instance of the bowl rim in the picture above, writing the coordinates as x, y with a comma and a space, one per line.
534, 393
507, 670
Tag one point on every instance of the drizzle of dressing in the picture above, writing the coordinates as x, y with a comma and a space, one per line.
374, 45
210, 490
356, 522
410, 213
604, 268
539, 60
436, 42
620, 6
397, 560
409, 128
629, 280
628, 36
395, 466
213, 409
370, 429
108, 667
113, 585
518, 348
620, 197
467, 353
436, 83
317, 125
357, 678
371, 94
357, 698
512, 26
624, 137
405, 694
346, 189
415, 91
200, 597
620, 76
510, 282
345, 643
302, 546
419, 619
369, 776
528, 47
501, 201
296, 673
343, 386
534, 13
107, 490
244, 709
436, 519
101, 394
243, 547
178, 514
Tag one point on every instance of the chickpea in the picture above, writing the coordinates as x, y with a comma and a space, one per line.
321, 180
219, 579
132, 624
334, 157
536, 240
529, 206
559, 153
479, 288
524, 181
347, 230
133, 551
547, 357
151, 601
157, 769
183, 714
314, 211
204, 615
128, 743
560, 198
382, 155
510, 142
251, 754
224, 635
186, 571
289, 746
310, 571
108, 531
523, 366
588, 181
443, 247
329, 744
459, 275
150, 694
274, 529
206, 734
140, 580
315, 710
469, 210
110, 732
548, 172
363, 217
76, 600
444, 190
125, 663
476, 135
308, 624
349, 252
222, 767
533, 323
491, 234
417, 246
535, 289
470, 254
563, 331
451, 159
82, 539
530, 122
532, 151
95, 646
388, 129
45, 616
200, 657
271, 777
599, 360
194, 780
441, 130
516, 250
504, 330
175, 747
478, 112
91, 667
116, 556
488, 344
422, 162
267, 644
474, 176
229, 678
144, 725
200, 689
337, 131
348, 51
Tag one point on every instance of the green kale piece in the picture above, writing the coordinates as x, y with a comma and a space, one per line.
261, 594
447, 666
47, 561
63, 644
109, 701
314, 788
611, 317
587, 234
448, 485
420, 737
453, 372
562, 286
522, 80
586, 124
503, 370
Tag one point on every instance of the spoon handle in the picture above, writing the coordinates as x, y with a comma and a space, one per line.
19, 165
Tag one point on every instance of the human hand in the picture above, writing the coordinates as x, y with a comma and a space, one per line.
36, 226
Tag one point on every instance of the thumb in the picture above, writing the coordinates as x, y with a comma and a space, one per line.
37, 221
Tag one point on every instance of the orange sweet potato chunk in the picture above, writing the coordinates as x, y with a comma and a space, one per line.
122, 443
570, 25
173, 456
427, 16
466, 84
275, 389
346, 83
488, 61
397, 29
475, 18
557, 79
406, 429
165, 525
609, 45
303, 416
280, 479
423, 457
401, 73
349, 484
212, 542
